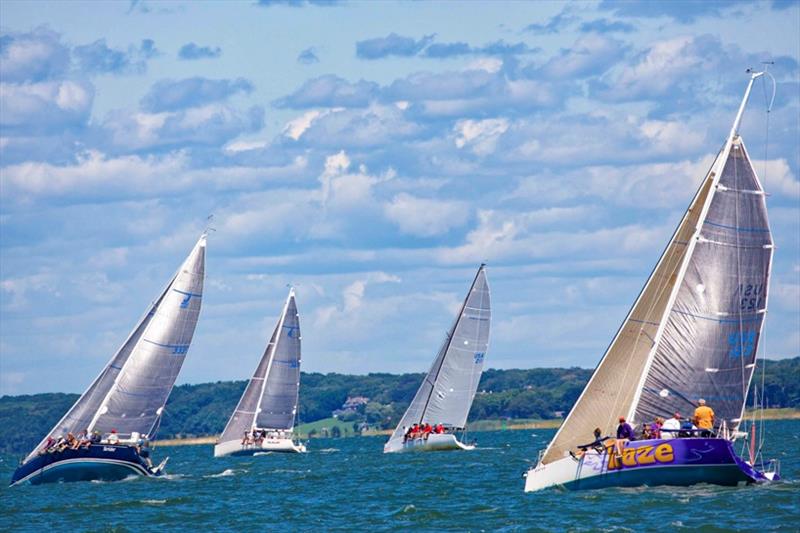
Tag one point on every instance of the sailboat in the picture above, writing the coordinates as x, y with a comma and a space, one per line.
122, 408
692, 334
264, 418
445, 396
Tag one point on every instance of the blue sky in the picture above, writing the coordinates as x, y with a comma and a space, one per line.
372, 155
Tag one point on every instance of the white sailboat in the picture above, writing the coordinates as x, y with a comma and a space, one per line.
445, 396
128, 397
692, 333
264, 418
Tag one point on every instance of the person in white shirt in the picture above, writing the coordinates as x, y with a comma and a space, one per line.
671, 427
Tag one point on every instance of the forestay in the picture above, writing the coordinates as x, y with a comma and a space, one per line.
446, 394
271, 396
130, 392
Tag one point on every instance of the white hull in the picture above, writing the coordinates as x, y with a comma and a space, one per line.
559, 472
434, 442
268, 445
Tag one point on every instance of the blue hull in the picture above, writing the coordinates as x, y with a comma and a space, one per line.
98, 462
690, 461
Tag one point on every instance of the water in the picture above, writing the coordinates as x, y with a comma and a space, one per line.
348, 484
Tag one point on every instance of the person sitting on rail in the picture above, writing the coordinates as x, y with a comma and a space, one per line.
426, 430
624, 434
96, 437
46, 447
438, 429
596, 445
655, 427
112, 437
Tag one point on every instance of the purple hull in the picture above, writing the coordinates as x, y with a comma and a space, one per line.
679, 462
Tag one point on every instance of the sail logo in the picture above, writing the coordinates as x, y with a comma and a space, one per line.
640, 456
187, 297
292, 330
479, 357
180, 349
741, 345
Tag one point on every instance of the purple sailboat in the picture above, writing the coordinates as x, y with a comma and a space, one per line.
692, 334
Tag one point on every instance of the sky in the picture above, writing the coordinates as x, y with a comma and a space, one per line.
372, 155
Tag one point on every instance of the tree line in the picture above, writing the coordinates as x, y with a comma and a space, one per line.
203, 409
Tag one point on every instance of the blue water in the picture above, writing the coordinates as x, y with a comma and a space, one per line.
349, 484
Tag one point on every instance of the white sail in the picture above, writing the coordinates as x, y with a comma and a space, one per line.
271, 396
445, 395
130, 392
694, 329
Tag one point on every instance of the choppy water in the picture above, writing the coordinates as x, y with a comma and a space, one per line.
348, 484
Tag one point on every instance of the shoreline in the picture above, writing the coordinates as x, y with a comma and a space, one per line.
477, 426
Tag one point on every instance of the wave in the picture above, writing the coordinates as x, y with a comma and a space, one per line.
228, 472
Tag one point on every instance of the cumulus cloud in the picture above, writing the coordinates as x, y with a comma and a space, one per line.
211, 125
172, 95
44, 107
33, 56
590, 55
391, 45
425, 217
480, 135
330, 91
307, 57
191, 51
99, 58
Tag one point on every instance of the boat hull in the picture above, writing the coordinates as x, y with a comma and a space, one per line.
679, 462
236, 448
433, 443
95, 463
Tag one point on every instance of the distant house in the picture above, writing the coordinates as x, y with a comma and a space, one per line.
351, 405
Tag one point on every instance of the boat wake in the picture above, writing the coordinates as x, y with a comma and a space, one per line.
227, 472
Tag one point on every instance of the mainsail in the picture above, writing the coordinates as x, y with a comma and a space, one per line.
693, 331
130, 392
446, 394
270, 398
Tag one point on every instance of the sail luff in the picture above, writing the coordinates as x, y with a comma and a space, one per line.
716, 173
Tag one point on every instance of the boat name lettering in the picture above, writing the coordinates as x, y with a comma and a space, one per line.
109, 449
641, 455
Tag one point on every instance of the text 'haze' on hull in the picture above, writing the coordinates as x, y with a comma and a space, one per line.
692, 333
126, 401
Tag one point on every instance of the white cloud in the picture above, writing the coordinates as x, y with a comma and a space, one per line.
425, 217
45, 106
777, 177
480, 135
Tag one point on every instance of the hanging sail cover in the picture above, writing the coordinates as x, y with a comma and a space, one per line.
446, 394
693, 331
130, 393
270, 399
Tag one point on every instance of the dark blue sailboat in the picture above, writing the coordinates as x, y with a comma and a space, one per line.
123, 405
